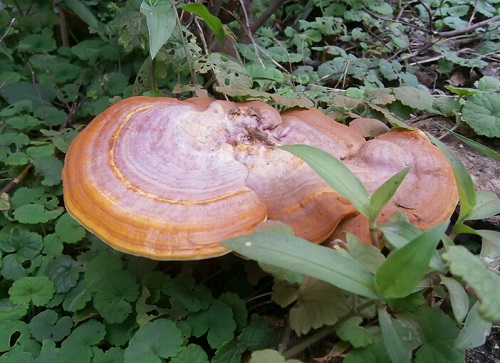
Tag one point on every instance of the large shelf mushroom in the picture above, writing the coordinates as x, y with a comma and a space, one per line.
170, 179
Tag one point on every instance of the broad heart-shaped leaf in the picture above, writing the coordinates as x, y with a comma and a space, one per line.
466, 190
484, 282
161, 20
482, 113
159, 338
475, 330
399, 338
385, 192
297, 254
213, 22
405, 268
335, 173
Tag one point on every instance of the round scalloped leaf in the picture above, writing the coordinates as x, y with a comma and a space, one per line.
63, 272
36, 289
48, 325
159, 338
482, 113
192, 353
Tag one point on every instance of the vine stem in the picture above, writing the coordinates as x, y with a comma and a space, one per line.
16, 180
325, 331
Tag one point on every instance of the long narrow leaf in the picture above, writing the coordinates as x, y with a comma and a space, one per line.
335, 173
161, 20
476, 145
297, 254
466, 190
212, 22
385, 192
404, 269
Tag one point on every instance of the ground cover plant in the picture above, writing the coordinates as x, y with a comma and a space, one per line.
428, 296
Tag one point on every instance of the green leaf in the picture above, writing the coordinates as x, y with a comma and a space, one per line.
478, 146
351, 331
385, 192
158, 338
266, 356
366, 254
4, 202
400, 338
484, 282
81, 10
11, 311
482, 113
79, 343
50, 167
115, 293
161, 19
466, 190
405, 268
335, 173
487, 205
414, 98
373, 353
64, 273
297, 254
35, 213
438, 333
475, 330
213, 23
12, 331
232, 351
458, 298
48, 325
38, 290
318, 304
257, 335
183, 288
68, 230
78, 297
238, 306
488, 83
192, 353
217, 321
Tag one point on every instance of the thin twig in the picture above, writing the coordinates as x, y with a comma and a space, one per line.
11, 23
16, 180
453, 33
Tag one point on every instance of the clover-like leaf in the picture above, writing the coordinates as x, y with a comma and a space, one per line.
48, 325
158, 338
484, 281
69, 230
318, 304
217, 320
36, 289
482, 113
238, 305
115, 293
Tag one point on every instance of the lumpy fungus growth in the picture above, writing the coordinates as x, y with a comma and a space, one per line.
169, 179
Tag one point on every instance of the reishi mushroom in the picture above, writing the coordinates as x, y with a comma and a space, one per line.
169, 179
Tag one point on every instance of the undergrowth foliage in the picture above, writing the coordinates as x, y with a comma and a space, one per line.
65, 296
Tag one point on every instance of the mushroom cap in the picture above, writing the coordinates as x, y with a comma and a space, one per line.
428, 195
168, 180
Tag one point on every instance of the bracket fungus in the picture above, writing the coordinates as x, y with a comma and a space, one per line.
169, 179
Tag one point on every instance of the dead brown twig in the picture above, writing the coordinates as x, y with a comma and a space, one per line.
16, 180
